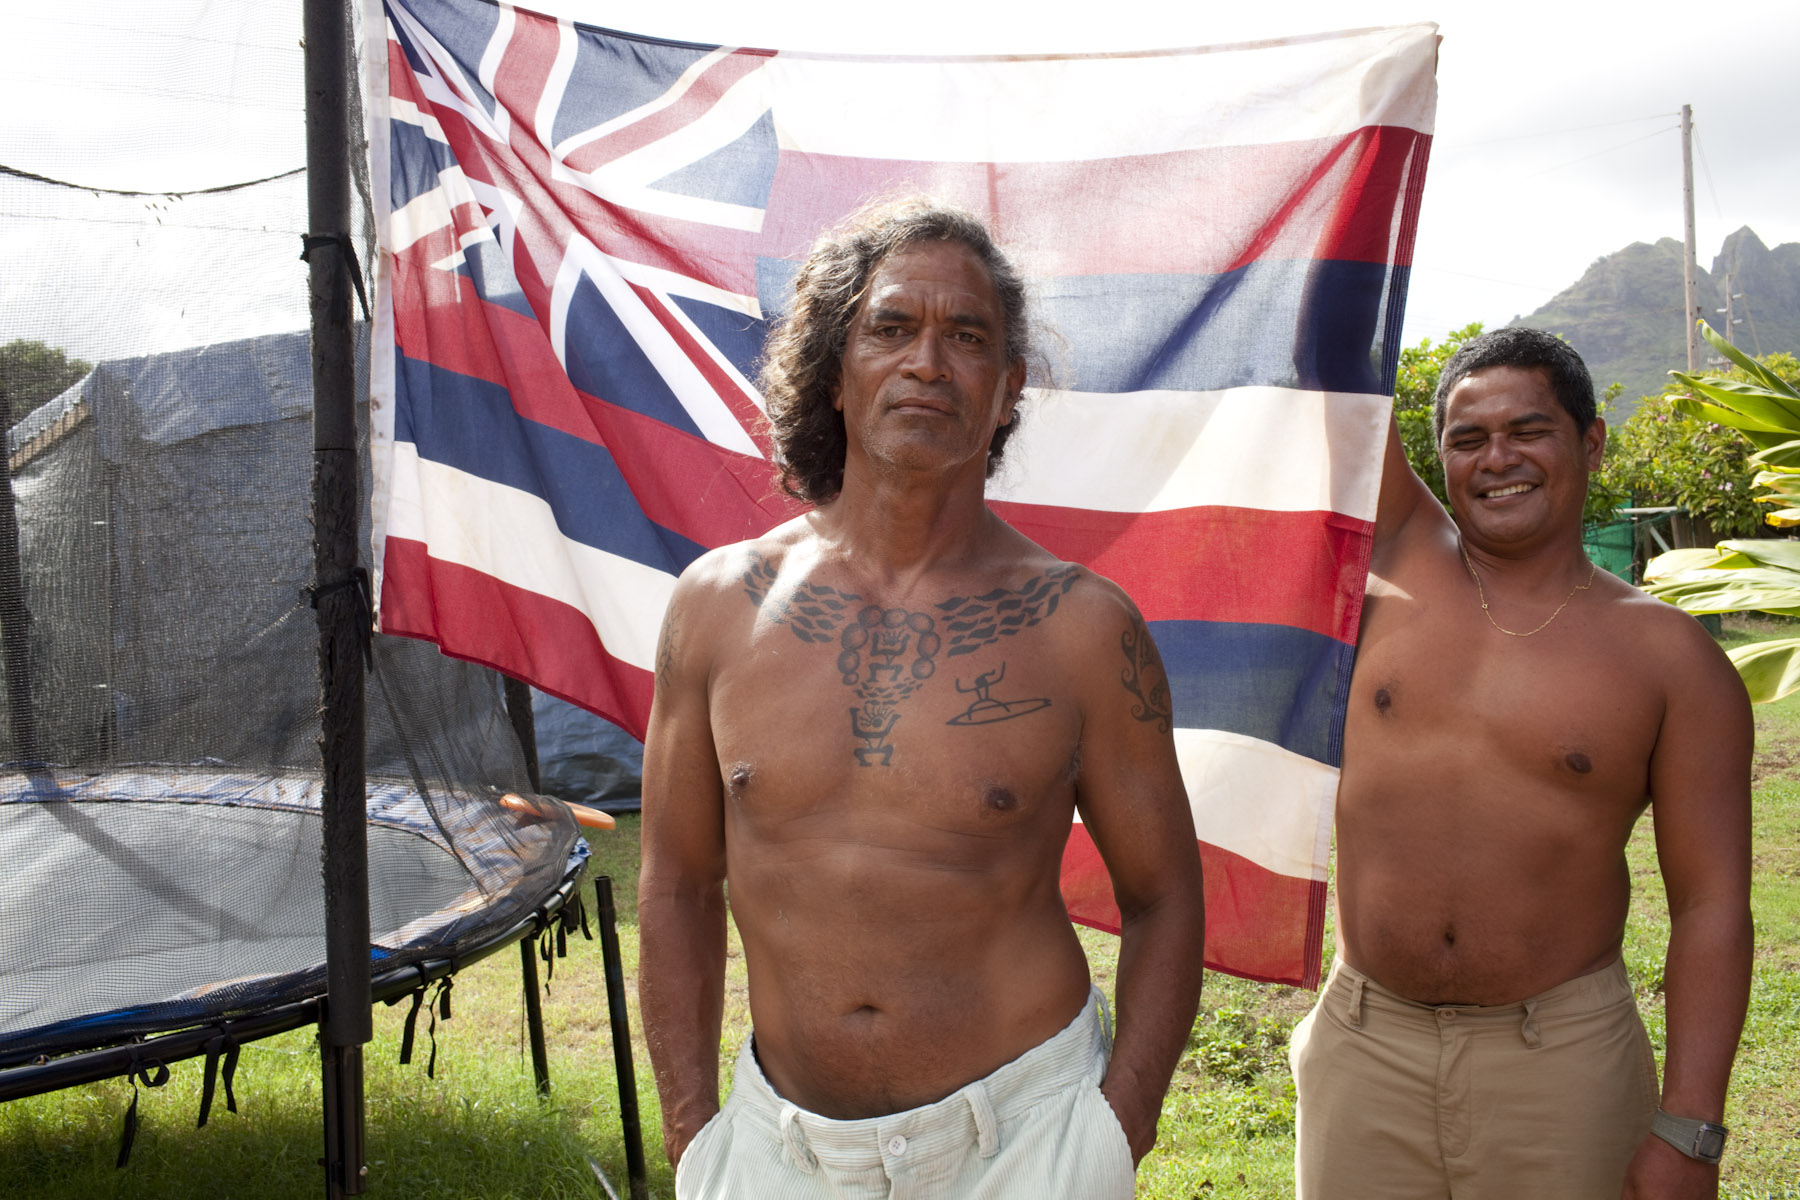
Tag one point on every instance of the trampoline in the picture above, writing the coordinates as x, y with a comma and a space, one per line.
161, 798
142, 919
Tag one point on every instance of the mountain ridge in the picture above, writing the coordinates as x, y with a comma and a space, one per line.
1624, 315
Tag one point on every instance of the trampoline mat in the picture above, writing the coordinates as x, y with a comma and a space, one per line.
137, 902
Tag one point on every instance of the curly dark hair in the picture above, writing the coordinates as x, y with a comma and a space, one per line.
805, 351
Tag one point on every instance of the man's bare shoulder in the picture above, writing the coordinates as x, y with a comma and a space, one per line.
1664, 638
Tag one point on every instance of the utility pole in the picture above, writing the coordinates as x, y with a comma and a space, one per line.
1691, 310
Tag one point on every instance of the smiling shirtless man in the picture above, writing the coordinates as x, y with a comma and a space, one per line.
1512, 714
877, 723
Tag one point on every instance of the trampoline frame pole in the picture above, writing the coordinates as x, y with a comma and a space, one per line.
518, 711
621, 1037
339, 595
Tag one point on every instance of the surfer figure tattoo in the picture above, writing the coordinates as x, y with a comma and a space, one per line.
984, 709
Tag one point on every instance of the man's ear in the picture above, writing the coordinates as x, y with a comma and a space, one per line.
1015, 384
1595, 441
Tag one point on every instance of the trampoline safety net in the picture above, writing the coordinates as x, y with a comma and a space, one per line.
159, 804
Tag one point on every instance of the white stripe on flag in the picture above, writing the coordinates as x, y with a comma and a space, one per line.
1075, 109
1269, 448
1259, 801
512, 536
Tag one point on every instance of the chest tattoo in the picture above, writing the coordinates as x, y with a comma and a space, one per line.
886, 654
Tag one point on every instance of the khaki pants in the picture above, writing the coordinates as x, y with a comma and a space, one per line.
1036, 1129
1547, 1098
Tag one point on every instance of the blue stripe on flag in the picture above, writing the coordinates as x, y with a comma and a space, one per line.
1295, 324
1304, 324
1273, 682
470, 425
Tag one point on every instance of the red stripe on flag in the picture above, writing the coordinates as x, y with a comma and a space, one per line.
1291, 207
1259, 923
476, 617
1217, 563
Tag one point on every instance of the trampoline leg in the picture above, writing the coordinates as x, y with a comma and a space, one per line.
345, 1172
621, 1038
534, 1013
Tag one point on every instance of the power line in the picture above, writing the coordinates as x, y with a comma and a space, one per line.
177, 192
1706, 170
1609, 150
1519, 137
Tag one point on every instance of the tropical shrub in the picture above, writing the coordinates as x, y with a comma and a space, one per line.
1761, 401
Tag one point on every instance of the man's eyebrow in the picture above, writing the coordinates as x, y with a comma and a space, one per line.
1530, 418
883, 314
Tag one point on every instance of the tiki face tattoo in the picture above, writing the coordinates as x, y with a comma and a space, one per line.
886, 654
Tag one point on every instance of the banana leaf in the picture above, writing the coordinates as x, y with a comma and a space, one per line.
1763, 589
1772, 410
1767, 552
1694, 558
1785, 456
1763, 433
1770, 670
1755, 370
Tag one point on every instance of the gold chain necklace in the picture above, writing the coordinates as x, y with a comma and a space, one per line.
1480, 591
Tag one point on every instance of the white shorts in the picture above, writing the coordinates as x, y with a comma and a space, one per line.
1036, 1129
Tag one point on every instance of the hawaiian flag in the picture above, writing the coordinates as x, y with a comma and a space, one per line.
585, 235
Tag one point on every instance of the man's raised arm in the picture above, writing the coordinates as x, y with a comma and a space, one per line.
1700, 795
681, 895
1135, 807
1403, 493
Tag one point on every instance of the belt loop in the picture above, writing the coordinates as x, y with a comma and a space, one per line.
1354, 1002
793, 1140
1528, 1028
987, 1136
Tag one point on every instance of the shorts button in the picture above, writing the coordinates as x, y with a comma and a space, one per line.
896, 1145
1446, 1014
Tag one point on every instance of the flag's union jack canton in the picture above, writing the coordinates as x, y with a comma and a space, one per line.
585, 235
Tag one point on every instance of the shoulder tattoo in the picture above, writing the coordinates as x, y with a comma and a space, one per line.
1144, 677
665, 649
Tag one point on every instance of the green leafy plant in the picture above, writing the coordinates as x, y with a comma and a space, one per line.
1747, 574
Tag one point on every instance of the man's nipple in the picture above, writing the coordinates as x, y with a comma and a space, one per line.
738, 778
1578, 762
998, 799
1383, 701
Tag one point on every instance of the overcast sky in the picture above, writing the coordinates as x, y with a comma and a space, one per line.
1557, 137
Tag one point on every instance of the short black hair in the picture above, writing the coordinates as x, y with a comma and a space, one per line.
1516, 346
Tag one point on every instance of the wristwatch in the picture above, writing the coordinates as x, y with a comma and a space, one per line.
1696, 1139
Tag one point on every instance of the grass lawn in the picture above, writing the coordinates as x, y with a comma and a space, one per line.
478, 1129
